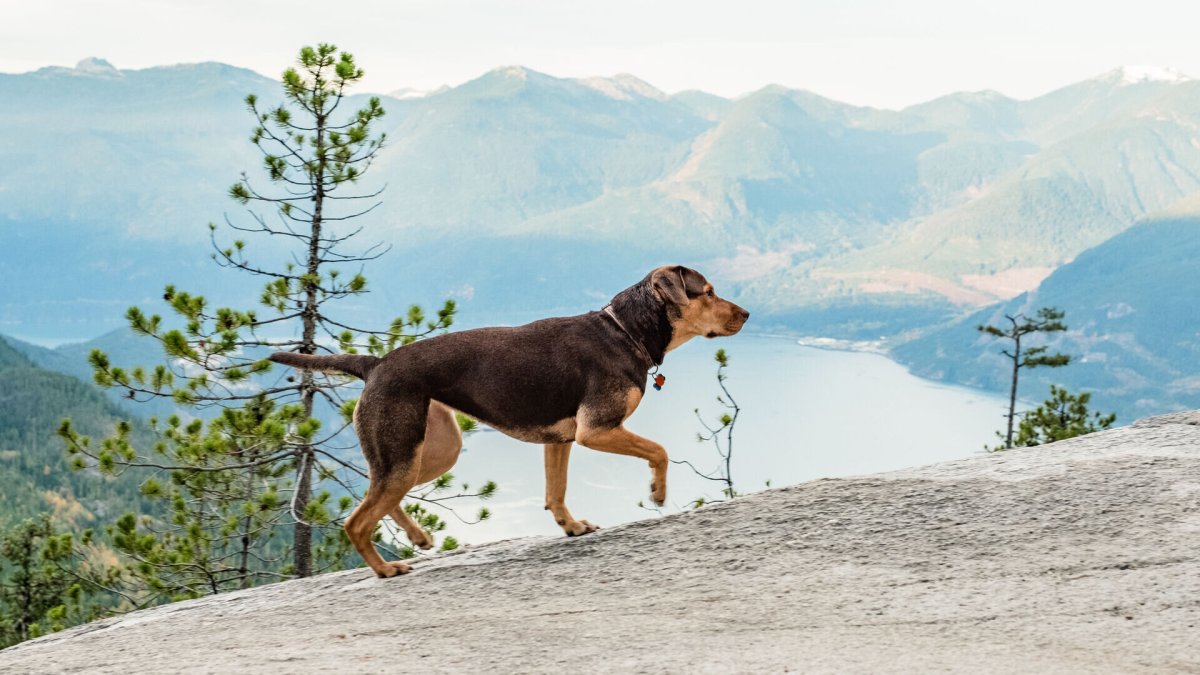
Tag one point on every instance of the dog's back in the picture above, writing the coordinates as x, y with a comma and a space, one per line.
514, 377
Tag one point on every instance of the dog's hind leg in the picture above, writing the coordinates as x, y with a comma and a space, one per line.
416, 534
557, 457
385, 492
391, 435
436, 455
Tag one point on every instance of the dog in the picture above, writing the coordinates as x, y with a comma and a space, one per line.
555, 381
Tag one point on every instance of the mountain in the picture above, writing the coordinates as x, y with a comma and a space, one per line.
144, 150
129, 350
1072, 194
1078, 556
124, 347
781, 167
33, 464
1119, 93
521, 194
1134, 333
1019, 188
516, 144
113, 175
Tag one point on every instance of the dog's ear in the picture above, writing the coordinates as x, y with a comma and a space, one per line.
668, 284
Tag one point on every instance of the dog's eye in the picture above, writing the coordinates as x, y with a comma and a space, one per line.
710, 293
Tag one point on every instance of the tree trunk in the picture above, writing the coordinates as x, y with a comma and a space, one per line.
305, 454
248, 522
306, 457
302, 557
1012, 394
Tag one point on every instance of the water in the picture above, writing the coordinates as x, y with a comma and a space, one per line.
806, 414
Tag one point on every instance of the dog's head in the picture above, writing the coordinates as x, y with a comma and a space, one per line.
692, 307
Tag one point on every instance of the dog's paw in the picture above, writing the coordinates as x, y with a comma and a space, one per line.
391, 569
423, 542
577, 528
658, 494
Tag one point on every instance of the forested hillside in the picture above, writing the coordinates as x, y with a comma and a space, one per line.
1134, 333
34, 469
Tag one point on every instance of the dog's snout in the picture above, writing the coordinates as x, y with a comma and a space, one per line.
737, 318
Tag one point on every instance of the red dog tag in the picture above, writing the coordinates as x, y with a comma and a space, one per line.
659, 381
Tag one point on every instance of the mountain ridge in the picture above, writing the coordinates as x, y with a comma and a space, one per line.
1128, 74
941, 207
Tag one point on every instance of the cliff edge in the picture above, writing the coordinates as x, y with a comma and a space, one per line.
1081, 556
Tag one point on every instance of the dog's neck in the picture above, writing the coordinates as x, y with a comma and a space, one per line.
641, 349
641, 314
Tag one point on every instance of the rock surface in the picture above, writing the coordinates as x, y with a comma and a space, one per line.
1082, 556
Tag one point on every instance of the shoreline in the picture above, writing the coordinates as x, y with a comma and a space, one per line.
879, 347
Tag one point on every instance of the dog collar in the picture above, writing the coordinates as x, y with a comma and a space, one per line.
612, 314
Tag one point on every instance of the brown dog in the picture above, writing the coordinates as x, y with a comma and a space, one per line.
554, 381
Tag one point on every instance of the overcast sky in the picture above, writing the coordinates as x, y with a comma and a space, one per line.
874, 52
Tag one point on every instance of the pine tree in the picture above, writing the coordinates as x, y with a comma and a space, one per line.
38, 591
1049, 320
1062, 416
230, 479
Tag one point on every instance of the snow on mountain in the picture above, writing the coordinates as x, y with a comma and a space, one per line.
91, 66
96, 66
407, 93
514, 72
1136, 74
624, 87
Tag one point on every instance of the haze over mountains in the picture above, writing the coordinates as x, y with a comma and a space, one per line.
522, 194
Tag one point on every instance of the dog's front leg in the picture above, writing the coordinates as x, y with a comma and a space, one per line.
557, 457
621, 441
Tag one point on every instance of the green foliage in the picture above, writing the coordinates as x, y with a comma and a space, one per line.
720, 434
39, 590
1048, 320
34, 475
465, 424
219, 489
1064, 415
439, 491
250, 457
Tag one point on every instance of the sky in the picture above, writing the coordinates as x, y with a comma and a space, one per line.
867, 52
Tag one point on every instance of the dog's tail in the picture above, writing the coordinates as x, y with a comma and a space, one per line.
358, 365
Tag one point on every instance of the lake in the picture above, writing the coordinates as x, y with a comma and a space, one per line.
806, 413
